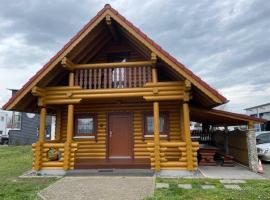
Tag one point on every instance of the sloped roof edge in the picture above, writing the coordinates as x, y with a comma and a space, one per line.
162, 51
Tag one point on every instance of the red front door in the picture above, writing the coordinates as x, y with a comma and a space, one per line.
120, 135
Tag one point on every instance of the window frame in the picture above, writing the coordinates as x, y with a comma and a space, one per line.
85, 116
166, 131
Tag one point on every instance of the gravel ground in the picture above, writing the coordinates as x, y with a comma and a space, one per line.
100, 188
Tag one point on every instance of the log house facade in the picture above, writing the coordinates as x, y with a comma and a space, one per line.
120, 101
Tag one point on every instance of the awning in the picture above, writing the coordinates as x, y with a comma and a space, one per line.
220, 117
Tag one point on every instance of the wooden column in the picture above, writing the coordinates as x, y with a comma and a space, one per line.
156, 135
71, 78
42, 124
182, 123
58, 125
41, 139
70, 126
154, 69
187, 135
156, 116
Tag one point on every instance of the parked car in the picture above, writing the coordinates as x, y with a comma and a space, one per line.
4, 139
263, 145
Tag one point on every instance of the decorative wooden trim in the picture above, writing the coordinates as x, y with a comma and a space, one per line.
68, 64
112, 28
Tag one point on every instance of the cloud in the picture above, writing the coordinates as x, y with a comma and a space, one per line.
226, 43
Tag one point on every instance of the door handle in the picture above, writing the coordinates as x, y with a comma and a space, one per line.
110, 134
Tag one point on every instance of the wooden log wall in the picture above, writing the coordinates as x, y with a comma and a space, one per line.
59, 164
96, 148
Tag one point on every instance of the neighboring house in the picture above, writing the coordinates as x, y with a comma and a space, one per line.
3, 122
121, 101
263, 112
23, 127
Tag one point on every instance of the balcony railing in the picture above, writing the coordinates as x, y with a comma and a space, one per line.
117, 77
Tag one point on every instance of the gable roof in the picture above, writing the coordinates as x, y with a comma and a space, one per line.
165, 56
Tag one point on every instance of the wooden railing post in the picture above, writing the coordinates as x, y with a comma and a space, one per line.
41, 138
70, 121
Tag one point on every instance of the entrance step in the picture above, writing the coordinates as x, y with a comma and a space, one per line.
110, 172
112, 164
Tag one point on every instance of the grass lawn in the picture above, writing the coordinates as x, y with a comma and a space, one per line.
14, 161
253, 189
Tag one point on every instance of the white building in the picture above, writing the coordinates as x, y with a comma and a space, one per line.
260, 111
3, 122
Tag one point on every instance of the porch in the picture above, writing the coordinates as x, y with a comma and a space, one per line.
127, 93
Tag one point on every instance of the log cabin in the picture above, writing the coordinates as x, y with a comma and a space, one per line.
120, 101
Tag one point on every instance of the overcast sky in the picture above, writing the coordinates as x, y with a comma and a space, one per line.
226, 43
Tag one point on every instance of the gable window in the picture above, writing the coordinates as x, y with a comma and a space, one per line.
85, 126
149, 124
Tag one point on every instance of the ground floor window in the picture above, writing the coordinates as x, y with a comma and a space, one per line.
85, 125
149, 124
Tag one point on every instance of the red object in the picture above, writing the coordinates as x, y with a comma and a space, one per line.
260, 167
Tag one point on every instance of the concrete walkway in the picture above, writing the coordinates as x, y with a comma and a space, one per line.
236, 172
100, 188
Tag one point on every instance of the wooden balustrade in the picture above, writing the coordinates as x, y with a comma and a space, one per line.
42, 156
171, 150
114, 77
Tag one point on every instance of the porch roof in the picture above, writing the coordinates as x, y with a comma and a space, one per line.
220, 117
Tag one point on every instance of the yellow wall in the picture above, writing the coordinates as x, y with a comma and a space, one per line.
92, 148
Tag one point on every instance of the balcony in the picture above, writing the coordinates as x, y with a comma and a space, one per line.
111, 80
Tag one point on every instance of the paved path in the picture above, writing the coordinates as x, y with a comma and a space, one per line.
100, 188
266, 169
236, 172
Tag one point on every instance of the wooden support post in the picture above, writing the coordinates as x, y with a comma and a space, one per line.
182, 123
156, 136
187, 135
154, 69
70, 121
226, 140
71, 78
58, 125
42, 124
41, 139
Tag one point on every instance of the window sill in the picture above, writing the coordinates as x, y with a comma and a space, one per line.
15, 129
151, 136
85, 137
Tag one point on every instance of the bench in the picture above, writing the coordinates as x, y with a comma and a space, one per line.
227, 160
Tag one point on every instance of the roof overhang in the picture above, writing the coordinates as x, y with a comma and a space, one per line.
221, 118
203, 87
